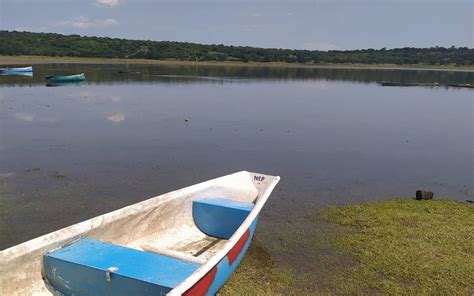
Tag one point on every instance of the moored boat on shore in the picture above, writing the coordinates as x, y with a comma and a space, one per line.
186, 242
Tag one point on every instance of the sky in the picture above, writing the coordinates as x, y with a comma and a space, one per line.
296, 24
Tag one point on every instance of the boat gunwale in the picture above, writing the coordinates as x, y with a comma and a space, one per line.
198, 274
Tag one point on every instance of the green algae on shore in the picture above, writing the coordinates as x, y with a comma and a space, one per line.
407, 247
291, 254
394, 247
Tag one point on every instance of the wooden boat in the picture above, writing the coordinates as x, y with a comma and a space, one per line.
16, 70
67, 78
186, 242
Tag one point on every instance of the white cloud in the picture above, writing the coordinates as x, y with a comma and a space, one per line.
116, 117
107, 3
30, 29
250, 27
110, 22
321, 45
316, 84
90, 97
82, 22
28, 117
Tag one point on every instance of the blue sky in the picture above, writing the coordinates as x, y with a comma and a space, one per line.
299, 24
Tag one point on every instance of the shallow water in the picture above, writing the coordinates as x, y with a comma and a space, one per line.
335, 136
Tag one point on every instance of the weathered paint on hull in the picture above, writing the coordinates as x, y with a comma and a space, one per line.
219, 274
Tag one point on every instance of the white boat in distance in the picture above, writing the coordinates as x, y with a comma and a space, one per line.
186, 242
16, 70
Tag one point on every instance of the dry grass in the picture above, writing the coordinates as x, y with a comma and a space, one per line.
16, 60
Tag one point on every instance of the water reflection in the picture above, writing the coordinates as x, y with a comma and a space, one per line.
25, 116
192, 74
28, 74
116, 117
68, 83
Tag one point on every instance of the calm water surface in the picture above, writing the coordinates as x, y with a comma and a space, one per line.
335, 136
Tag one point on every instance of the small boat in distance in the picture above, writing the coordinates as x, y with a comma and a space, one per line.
465, 85
16, 70
409, 83
66, 78
29, 74
186, 242
397, 83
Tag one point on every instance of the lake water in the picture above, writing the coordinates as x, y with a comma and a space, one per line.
335, 136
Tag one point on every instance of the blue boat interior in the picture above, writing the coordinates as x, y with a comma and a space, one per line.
220, 217
94, 267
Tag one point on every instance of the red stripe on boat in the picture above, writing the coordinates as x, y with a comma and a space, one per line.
235, 251
202, 286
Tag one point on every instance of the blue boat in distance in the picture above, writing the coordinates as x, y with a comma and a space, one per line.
18, 71
66, 78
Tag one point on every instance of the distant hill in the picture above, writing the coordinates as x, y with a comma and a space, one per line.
49, 44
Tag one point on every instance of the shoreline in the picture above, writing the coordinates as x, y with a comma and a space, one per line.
23, 60
384, 246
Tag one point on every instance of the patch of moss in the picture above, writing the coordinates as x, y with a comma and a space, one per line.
258, 275
408, 247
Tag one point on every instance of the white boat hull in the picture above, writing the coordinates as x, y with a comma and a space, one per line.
161, 225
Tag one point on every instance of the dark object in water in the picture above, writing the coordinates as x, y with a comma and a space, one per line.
123, 71
424, 195
466, 85
409, 83
395, 83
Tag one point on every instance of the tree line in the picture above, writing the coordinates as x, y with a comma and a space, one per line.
51, 44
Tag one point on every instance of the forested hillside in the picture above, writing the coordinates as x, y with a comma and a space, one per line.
49, 44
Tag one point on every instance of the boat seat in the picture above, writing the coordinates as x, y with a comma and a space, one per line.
172, 253
220, 217
93, 267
